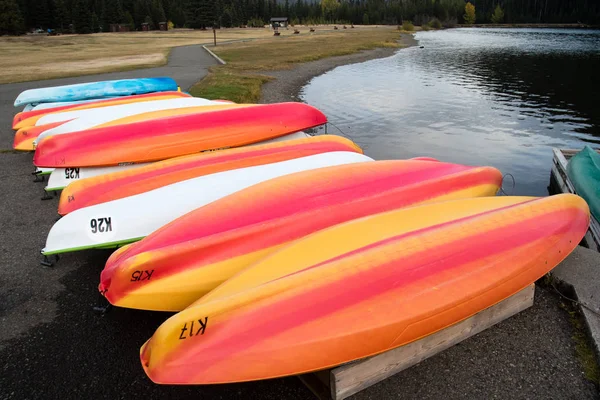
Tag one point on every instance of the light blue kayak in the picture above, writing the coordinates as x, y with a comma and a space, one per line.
95, 90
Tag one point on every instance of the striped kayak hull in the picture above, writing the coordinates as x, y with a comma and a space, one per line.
95, 90
128, 113
26, 139
164, 138
29, 118
365, 287
130, 219
104, 188
197, 252
62, 177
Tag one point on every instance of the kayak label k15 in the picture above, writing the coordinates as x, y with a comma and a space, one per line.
101, 225
139, 276
195, 328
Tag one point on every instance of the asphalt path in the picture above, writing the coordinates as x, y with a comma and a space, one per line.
54, 346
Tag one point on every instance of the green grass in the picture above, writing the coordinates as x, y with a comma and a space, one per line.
584, 351
226, 85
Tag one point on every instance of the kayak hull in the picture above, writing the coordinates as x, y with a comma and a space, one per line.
164, 138
365, 287
95, 90
199, 251
129, 219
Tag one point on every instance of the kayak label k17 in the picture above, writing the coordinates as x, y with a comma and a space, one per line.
195, 328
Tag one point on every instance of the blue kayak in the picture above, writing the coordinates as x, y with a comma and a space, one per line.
583, 171
96, 90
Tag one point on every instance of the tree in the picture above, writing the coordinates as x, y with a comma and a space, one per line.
200, 14
114, 12
469, 16
328, 7
157, 12
11, 21
365, 20
498, 16
82, 16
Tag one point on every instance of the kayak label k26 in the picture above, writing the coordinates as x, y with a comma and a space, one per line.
101, 225
71, 173
194, 328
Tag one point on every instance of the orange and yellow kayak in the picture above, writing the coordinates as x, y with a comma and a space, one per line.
195, 253
29, 118
168, 137
25, 138
108, 187
365, 287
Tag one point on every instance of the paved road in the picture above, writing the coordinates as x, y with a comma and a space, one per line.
53, 346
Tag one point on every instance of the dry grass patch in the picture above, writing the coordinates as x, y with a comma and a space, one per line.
32, 57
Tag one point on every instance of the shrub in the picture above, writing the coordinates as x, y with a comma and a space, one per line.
425, 27
435, 23
408, 26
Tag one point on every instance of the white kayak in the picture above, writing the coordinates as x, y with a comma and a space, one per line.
62, 177
86, 119
46, 106
132, 218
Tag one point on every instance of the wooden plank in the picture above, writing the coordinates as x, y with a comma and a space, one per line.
354, 377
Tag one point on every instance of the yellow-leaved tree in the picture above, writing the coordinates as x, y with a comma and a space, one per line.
469, 16
328, 7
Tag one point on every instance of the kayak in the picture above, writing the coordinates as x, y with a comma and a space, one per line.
364, 287
101, 189
130, 219
27, 138
75, 121
96, 90
169, 137
583, 171
197, 252
59, 180
26, 119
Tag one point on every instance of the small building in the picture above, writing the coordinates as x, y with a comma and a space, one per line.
163, 26
119, 28
145, 26
277, 22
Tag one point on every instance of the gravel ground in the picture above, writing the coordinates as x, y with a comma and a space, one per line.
52, 345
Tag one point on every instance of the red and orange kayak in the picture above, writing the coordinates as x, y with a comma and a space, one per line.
195, 253
169, 137
29, 118
108, 187
365, 287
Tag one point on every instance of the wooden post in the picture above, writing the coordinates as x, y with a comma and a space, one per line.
346, 380
215, 35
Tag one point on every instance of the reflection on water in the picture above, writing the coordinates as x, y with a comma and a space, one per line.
500, 97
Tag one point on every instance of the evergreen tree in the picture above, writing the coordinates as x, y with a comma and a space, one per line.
82, 16
62, 15
498, 16
11, 21
114, 12
157, 12
200, 14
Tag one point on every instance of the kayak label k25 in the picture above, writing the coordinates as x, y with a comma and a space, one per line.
71, 173
195, 328
101, 225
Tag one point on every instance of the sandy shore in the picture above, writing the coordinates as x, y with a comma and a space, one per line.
288, 83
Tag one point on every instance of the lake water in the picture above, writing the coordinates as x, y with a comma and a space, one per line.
499, 97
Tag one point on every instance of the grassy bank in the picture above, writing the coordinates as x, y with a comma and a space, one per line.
240, 79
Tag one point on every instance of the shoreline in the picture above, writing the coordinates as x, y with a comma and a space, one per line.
287, 83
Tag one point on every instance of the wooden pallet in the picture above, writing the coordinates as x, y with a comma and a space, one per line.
346, 380
564, 185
